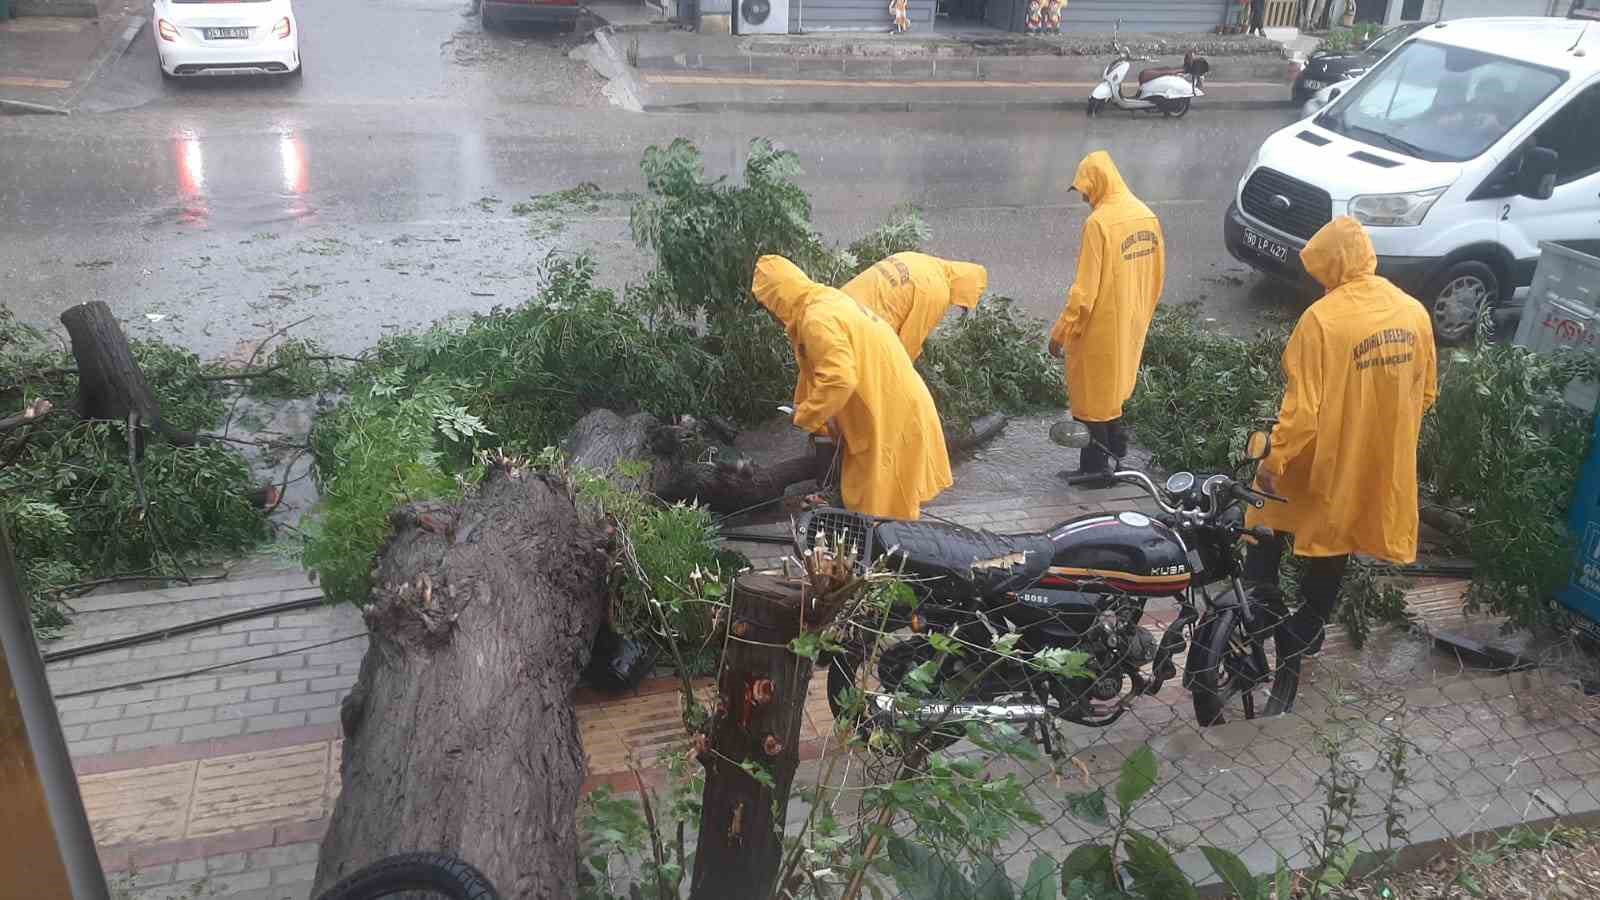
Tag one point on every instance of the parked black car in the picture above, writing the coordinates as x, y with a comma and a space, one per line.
1323, 69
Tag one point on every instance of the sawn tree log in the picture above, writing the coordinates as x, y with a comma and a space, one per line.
677, 468
460, 733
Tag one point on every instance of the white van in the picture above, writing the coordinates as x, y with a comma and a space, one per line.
1460, 152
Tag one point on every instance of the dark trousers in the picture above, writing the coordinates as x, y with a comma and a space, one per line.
1103, 434
1319, 595
1258, 16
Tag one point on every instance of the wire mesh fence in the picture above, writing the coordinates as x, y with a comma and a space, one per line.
1398, 748
925, 777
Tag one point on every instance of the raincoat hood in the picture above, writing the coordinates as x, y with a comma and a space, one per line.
1340, 253
1098, 178
968, 281
783, 289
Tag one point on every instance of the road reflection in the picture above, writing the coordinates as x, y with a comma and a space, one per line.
238, 180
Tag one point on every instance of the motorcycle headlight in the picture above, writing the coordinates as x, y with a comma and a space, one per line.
1393, 210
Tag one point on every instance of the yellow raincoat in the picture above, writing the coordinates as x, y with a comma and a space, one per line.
912, 292
854, 371
1362, 370
1121, 270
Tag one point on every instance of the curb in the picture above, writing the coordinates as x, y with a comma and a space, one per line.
914, 106
621, 75
110, 53
24, 108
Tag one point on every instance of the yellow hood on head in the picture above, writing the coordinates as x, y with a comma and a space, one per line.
968, 281
1098, 178
1339, 253
782, 288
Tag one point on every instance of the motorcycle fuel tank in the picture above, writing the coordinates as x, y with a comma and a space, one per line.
1127, 552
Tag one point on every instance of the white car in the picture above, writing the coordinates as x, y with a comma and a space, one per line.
202, 37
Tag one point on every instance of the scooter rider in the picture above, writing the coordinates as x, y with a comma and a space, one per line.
1101, 332
1361, 370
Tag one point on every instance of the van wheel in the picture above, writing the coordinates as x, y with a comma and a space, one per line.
1458, 296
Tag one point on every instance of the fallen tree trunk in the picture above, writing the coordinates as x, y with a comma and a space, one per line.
460, 733
676, 466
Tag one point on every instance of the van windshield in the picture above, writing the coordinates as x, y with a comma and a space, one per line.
1443, 104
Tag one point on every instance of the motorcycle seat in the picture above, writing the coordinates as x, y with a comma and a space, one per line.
990, 562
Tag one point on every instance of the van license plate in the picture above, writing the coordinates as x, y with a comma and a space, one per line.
1266, 246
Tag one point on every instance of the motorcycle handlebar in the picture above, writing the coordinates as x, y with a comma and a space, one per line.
1240, 492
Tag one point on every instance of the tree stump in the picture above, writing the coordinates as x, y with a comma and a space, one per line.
761, 693
110, 383
460, 733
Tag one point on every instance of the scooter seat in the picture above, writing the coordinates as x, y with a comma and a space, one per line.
1153, 73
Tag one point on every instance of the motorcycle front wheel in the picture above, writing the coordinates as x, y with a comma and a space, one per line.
1219, 665
901, 652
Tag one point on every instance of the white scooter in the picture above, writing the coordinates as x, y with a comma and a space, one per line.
1164, 90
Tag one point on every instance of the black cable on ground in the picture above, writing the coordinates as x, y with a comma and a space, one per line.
745, 537
134, 640
175, 676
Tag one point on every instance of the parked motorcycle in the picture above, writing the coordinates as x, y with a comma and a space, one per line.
1080, 586
1168, 91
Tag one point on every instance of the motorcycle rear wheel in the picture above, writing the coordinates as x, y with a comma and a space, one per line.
1175, 109
1218, 670
845, 672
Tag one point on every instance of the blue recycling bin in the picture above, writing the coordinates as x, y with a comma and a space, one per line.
1582, 593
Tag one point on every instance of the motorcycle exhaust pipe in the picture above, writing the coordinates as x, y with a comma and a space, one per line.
947, 713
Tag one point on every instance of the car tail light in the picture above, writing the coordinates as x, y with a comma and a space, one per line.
169, 31
281, 30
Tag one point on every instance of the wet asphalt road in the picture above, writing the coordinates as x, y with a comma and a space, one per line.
379, 192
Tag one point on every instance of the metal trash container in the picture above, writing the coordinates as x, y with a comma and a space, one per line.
1563, 309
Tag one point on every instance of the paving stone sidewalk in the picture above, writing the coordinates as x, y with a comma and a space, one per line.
219, 783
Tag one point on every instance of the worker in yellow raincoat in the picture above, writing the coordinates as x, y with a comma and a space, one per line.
857, 383
913, 291
1121, 269
1361, 370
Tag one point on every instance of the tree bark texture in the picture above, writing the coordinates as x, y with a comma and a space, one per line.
110, 383
675, 471
460, 733
761, 695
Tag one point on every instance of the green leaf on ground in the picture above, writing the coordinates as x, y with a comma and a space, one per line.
1138, 777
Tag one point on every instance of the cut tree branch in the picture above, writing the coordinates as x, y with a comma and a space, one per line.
29, 415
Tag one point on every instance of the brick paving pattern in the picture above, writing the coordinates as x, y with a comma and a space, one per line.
219, 784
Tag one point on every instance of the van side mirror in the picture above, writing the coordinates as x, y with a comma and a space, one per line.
1537, 178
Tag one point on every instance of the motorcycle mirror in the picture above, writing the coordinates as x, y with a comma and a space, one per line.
1070, 434
1257, 445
